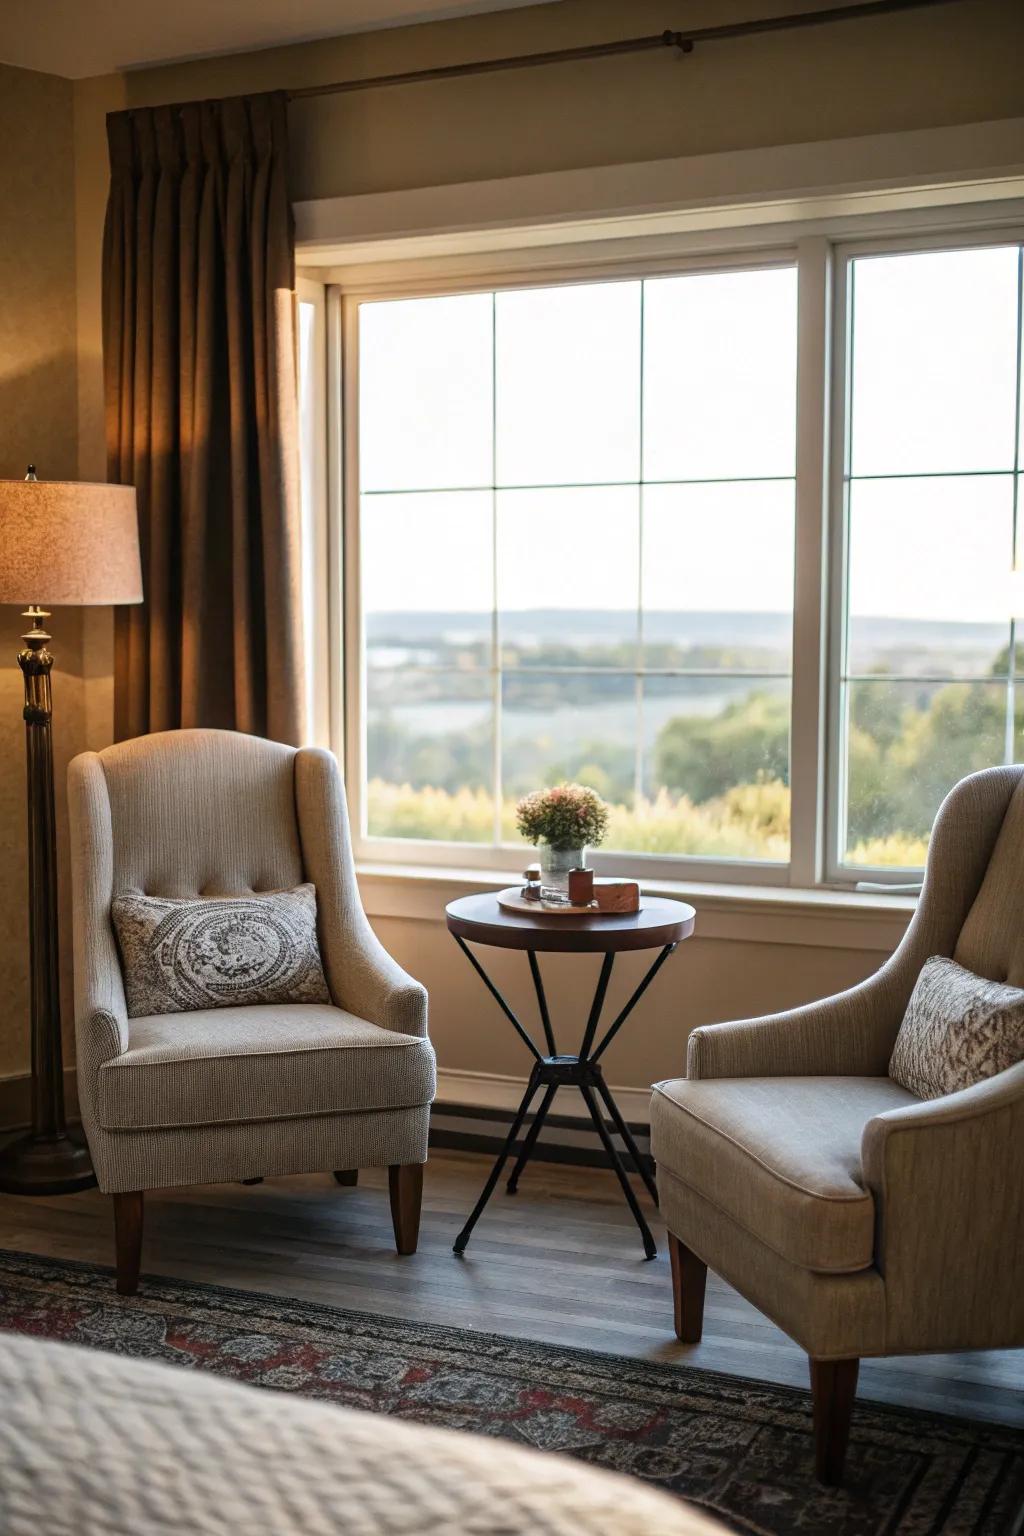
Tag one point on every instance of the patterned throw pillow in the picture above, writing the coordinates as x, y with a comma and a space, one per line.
226, 951
958, 1029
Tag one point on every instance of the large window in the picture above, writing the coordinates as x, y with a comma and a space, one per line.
577, 558
928, 680
600, 530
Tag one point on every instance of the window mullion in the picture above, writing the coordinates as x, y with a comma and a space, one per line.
640, 655
807, 742
1016, 552
348, 694
497, 787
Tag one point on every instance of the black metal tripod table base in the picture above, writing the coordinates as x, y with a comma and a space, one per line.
665, 924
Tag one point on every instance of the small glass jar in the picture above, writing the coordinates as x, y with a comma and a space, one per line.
555, 864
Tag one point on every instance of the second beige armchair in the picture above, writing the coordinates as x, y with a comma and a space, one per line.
861, 1219
237, 1093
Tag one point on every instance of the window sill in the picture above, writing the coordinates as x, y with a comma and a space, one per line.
760, 914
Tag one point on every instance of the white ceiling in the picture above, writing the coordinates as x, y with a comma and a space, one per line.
78, 38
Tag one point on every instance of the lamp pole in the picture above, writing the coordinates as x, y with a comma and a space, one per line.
49, 1159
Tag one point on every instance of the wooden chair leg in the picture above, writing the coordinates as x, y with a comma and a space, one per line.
405, 1183
833, 1389
347, 1176
128, 1240
689, 1277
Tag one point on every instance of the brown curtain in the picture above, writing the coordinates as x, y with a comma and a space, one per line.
199, 363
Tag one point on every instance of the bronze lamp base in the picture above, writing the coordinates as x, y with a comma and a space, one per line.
46, 1165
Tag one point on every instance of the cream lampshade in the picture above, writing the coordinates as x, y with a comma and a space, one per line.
68, 542
71, 543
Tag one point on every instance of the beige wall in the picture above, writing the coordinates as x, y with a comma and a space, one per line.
38, 422
955, 65
37, 275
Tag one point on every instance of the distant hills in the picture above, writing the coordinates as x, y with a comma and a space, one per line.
891, 643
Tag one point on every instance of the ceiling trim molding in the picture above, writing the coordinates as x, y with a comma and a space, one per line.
830, 181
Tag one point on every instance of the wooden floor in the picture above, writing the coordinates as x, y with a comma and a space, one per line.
560, 1261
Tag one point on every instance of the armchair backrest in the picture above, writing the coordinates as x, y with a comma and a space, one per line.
202, 813
972, 904
208, 813
991, 941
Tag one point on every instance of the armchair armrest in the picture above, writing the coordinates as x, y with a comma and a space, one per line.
101, 1035
361, 974
101, 1013
946, 1176
849, 1035
377, 988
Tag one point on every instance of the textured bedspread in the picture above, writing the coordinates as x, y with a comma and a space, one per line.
95, 1445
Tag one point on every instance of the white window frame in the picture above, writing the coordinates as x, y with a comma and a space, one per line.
836, 870
821, 252
319, 535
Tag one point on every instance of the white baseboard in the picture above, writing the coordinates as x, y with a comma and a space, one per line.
490, 1090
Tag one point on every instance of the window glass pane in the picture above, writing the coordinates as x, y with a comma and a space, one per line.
429, 752
925, 561
428, 578
568, 396
908, 744
425, 382
934, 362
718, 576
600, 587
567, 576
311, 450
309, 443
715, 770
926, 691
1016, 579
720, 375
577, 726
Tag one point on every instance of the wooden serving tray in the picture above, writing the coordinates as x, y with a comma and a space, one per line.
512, 900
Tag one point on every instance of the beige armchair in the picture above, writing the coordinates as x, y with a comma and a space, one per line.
862, 1220
237, 1092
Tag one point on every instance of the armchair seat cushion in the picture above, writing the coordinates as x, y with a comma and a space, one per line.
781, 1156
218, 1066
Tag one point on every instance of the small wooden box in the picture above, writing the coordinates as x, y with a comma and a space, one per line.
617, 895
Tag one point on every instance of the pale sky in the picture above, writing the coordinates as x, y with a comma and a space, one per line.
934, 390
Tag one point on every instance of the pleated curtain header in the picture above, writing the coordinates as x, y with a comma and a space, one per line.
201, 137
216, 130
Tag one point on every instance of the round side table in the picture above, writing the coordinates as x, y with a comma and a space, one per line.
660, 924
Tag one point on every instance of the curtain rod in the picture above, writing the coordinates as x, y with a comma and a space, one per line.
683, 42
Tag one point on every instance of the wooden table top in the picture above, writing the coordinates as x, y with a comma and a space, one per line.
480, 920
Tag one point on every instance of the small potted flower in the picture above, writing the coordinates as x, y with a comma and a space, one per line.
562, 823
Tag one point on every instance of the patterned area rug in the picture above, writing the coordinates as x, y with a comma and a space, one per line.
737, 1447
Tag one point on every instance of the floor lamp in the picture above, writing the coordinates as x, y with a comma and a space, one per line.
71, 543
